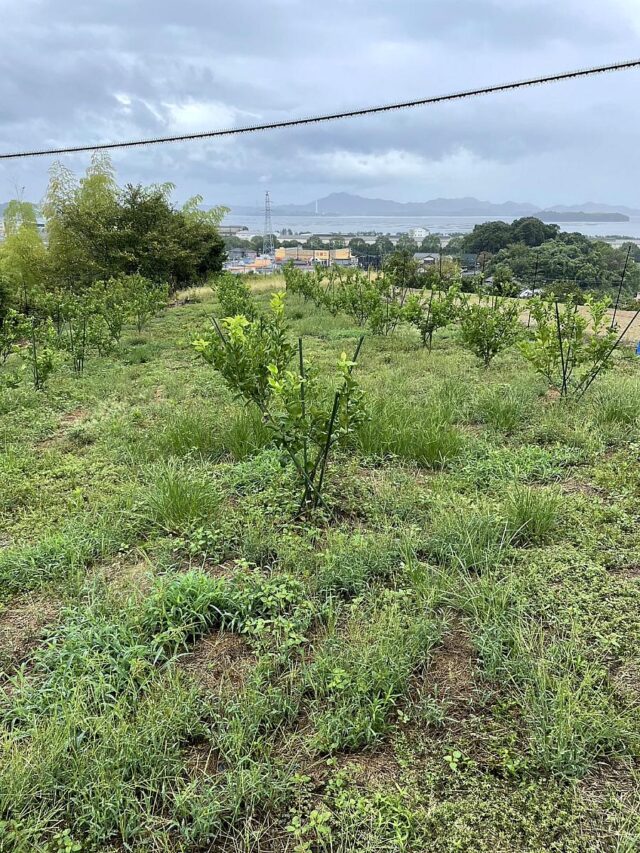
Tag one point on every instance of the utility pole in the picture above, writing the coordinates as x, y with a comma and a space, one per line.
267, 237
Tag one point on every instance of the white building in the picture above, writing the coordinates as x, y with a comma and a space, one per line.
418, 234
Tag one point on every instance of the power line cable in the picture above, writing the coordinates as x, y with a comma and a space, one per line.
319, 119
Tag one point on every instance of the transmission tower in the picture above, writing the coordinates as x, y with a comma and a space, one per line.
267, 239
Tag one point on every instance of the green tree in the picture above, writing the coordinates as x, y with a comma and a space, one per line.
568, 262
503, 281
81, 217
234, 295
23, 256
432, 311
431, 243
406, 244
402, 270
358, 246
383, 246
456, 245
145, 298
488, 237
567, 347
97, 230
532, 231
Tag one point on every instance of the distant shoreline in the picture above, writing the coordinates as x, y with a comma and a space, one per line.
556, 216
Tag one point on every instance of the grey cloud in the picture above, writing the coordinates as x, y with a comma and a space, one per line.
79, 72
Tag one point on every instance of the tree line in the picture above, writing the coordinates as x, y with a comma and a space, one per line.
108, 255
531, 252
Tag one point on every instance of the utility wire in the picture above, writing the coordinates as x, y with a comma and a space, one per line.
318, 119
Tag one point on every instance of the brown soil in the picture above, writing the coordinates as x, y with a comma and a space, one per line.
202, 760
578, 487
595, 785
221, 570
129, 578
626, 681
64, 425
22, 624
217, 659
72, 418
451, 672
373, 769
631, 572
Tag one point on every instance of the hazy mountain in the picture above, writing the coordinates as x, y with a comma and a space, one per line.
347, 204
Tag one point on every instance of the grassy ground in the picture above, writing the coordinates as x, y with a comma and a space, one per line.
449, 662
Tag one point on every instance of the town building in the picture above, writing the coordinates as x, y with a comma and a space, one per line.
238, 254
426, 259
418, 234
310, 257
232, 230
249, 262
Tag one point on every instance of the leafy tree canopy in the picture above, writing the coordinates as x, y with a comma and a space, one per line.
493, 236
97, 229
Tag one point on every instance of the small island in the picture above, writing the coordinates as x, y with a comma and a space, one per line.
580, 216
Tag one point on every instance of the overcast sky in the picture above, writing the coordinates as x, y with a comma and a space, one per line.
78, 72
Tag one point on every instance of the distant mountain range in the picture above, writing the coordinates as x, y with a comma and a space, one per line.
346, 204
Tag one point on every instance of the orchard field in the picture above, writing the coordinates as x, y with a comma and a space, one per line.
442, 655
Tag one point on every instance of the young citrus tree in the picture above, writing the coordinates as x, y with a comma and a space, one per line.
567, 347
35, 342
145, 298
234, 295
489, 327
254, 358
433, 311
110, 300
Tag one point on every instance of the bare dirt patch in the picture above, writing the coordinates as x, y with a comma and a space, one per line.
126, 577
202, 760
631, 572
217, 659
626, 681
373, 769
65, 424
573, 486
221, 570
72, 418
21, 626
607, 784
451, 672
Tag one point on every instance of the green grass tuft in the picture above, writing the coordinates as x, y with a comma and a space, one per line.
503, 408
532, 514
180, 497
418, 434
